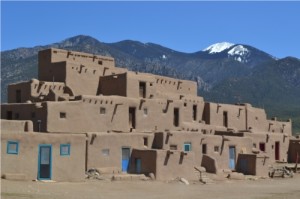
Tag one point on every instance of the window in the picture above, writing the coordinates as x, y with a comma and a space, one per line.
216, 148
65, 149
12, 147
194, 112
105, 152
100, 62
102, 110
225, 119
187, 146
173, 147
145, 141
145, 111
176, 117
262, 146
62, 115
142, 89
18, 96
204, 149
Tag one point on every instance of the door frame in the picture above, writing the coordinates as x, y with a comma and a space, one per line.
39, 161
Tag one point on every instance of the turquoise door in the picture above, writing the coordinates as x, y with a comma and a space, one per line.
125, 158
138, 165
45, 162
232, 157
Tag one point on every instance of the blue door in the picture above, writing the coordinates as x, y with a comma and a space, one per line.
232, 157
244, 166
45, 162
125, 158
138, 165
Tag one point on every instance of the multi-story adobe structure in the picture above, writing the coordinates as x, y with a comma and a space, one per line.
83, 112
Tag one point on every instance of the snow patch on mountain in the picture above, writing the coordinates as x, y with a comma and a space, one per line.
218, 47
239, 53
238, 50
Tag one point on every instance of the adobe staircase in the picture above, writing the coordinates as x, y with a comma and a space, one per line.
200, 172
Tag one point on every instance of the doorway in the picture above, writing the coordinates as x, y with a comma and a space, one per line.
232, 157
277, 150
125, 158
132, 117
138, 165
45, 162
176, 117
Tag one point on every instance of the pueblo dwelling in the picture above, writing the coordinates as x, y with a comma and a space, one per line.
83, 112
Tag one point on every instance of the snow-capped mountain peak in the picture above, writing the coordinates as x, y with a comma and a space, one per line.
218, 47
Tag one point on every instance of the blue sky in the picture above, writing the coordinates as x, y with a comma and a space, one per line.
184, 26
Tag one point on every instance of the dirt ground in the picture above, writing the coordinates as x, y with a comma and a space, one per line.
287, 188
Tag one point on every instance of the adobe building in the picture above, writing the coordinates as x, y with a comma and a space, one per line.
83, 112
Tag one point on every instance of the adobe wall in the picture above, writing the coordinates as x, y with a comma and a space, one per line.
282, 127
34, 90
256, 119
236, 115
26, 161
173, 164
85, 79
269, 140
165, 85
113, 85
48, 57
16, 126
36, 112
197, 140
97, 142
151, 114
127, 84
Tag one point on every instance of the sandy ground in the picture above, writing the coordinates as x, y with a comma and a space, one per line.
288, 188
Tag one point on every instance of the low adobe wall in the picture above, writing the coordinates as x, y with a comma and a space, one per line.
25, 162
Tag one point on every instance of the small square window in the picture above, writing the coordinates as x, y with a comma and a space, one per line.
65, 149
105, 152
12, 147
100, 62
187, 146
62, 115
102, 110
216, 148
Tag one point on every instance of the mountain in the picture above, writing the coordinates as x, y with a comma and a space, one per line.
225, 72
